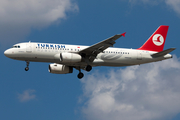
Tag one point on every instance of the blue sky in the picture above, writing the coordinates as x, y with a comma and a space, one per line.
142, 92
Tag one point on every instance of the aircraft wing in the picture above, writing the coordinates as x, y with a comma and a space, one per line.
92, 51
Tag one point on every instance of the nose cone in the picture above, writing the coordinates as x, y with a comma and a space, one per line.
7, 53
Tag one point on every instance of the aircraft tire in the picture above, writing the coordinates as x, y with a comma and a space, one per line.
26, 69
80, 75
88, 68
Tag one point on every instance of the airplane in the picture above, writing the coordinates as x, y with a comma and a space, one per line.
64, 58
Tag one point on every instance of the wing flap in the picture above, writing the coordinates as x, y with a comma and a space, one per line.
162, 53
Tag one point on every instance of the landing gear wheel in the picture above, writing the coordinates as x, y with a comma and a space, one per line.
26, 69
80, 75
88, 68
27, 64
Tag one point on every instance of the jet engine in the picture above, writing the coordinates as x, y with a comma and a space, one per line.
60, 69
68, 57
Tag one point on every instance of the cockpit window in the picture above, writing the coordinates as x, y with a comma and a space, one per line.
16, 46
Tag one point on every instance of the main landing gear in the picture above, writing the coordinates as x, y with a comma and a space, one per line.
81, 75
27, 64
88, 68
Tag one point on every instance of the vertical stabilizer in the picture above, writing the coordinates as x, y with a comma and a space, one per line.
157, 40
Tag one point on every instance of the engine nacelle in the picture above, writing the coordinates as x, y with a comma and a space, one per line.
70, 57
60, 69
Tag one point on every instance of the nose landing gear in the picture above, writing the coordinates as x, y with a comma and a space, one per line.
27, 64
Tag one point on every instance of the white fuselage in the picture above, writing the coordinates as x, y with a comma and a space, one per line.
46, 52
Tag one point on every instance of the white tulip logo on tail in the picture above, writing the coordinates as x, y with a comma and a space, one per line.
158, 39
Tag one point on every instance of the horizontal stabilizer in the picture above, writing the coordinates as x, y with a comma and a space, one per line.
162, 53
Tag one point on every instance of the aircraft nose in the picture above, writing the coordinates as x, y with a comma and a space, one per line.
7, 53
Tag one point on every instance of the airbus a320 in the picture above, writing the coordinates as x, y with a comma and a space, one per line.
64, 58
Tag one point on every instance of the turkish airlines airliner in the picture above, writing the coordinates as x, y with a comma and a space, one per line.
64, 58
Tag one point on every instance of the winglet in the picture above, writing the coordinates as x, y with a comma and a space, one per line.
123, 34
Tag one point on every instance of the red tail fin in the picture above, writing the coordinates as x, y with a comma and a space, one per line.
157, 40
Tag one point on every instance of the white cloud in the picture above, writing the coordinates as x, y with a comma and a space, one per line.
174, 4
27, 95
18, 17
145, 92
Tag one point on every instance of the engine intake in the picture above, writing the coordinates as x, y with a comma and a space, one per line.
60, 69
